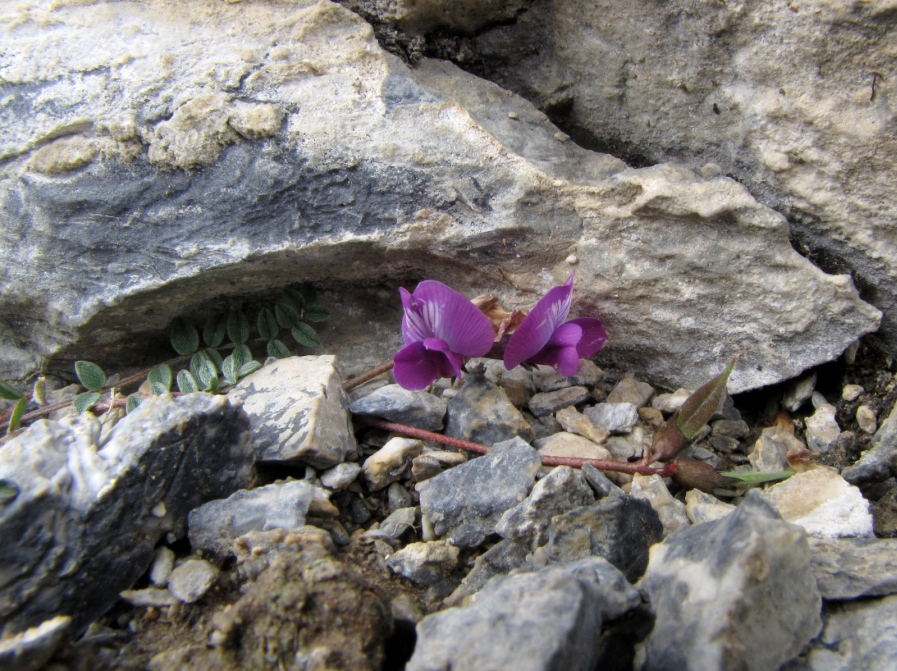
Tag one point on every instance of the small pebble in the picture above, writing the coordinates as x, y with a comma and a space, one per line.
724, 444
163, 564
630, 390
572, 259
358, 511
866, 419
398, 497
670, 403
191, 580
545, 403
513, 115
851, 392
651, 416
561, 137
731, 428
340, 476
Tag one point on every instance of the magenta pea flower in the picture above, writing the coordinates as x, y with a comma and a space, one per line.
441, 328
545, 337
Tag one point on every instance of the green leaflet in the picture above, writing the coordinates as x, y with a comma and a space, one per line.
90, 375
184, 337
9, 393
160, 377
751, 478
15, 419
85, 401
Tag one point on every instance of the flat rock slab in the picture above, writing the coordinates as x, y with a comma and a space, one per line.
87, 520
736, 593
415, 408
850, 568
214, 525
299, 412
309, 153
542, 621
483, 413
466, 502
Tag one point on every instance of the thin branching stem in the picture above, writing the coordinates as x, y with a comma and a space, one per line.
370, 374
575, 462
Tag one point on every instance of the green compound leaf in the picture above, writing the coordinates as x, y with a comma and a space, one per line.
9, 490
214, 331
317, 314
229, 370
133, 403
752, 478
8, 393
248, 368
237, 327
267, 324
287, 315
242, 356
187, 384
306, 335
90, 375
184, 337
278, 350
86, 401
15, 419
161, 376
701, 405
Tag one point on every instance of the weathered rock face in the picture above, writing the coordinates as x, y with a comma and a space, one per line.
210, 152
792, 100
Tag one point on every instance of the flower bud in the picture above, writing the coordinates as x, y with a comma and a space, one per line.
693, 474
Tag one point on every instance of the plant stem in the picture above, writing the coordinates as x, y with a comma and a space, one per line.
575, 462
361, 378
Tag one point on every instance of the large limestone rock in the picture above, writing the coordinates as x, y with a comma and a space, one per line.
795, 100
163, 160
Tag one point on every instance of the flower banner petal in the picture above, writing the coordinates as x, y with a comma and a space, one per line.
414, 326
454, 319
540, 324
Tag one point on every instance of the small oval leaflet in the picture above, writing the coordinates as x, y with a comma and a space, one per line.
184, 337
306, 335
214, 331
267, 324
278, 350
8, 393
187, 383
86, 401
287, 315
161, 376
237, 327
90, 375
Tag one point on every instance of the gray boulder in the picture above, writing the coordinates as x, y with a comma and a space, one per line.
415, 408
85, 521
483, 413
735, 593
543, 621
279, 143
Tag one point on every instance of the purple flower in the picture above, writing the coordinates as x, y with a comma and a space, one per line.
441, 328
544, 337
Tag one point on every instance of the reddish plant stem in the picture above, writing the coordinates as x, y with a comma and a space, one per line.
575, 462
361, 378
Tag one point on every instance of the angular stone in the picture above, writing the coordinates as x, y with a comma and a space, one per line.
31, 649
433, 462
424, 563
561, 490
500, 559
298, 411
482, 413
879, 462
617, 418
547, 402
770, 452
163, 563
391, 462
395, 524
88, 518
466, 502
701, 507
652, 489
630, 390
628, 447
214, 526
575, 422
799, 392
730, 428
190, 581
544, 620
565, 444
866, 419
599, 482
851, 392
670, 403
851, 568
398, 497
822, 427
548, 379
414, 408
150, 596
734, 593
857, 635
341, 476
823, 503
618, 528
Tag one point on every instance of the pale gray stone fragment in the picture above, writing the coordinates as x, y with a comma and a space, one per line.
798, 392
89, 519
822, 427
652, 489
879, 462
548, 379
615, 417
858, 635
398, 497
737, 593
866, 419
396, 524
601, 485
298, 411
466, 502
31, 649
482, 413
425, 563
851, 568
150, 596
190, 581
500, 559
397, 404
540, 621
391, 462
618, 528
561, 490
730, 428
630, 390
670, 403
547, 402
341, 476
163, 563
214, 526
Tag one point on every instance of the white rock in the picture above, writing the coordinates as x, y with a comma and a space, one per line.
575, 422
823, 503
822, 427
191, 580
151, 596
799, 392
670, 403
424, 563
866, 419
391, 462
617, 418
851, 392
772, 447
566, 444
341, 476
163, 563
701, 507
